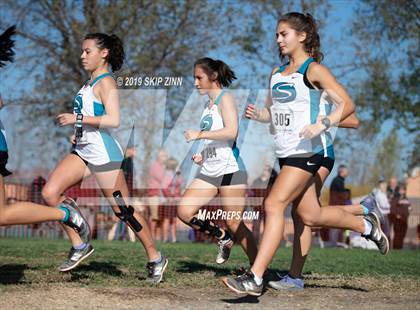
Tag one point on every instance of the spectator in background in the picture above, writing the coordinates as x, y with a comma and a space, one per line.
338, 188
347, 197
337, 198
380, 193
36, 189
392, 189
156, 175
392, 192
40, 229
400, 210
171, 188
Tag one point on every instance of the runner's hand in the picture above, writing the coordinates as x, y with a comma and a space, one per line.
311, 131
191, 135
198, 159
73, 139
66, 119
251, 112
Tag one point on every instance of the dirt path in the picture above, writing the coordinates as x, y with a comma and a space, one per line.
330, 294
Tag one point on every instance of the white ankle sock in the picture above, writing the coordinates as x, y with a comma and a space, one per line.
368, 227
258, 280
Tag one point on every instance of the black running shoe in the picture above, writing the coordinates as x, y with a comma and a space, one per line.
76, 219
376, 234
76, 257
244, 284
155, 270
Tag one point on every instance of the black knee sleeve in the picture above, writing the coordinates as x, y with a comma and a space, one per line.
126, 214
207, 227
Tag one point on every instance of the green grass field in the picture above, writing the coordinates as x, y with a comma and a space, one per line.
113, 278
32, 262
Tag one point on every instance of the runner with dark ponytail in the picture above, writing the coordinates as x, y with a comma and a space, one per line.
305, 24
96, 109
116, 55
217, 71
301, 118
221, 168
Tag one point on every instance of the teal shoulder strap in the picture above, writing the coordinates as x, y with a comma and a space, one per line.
99, 78
217, 101
282, 68
305, 65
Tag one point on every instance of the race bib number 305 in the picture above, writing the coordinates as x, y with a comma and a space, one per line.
284, 120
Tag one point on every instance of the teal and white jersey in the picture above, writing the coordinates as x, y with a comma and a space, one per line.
219, 157
295, 104
98, 146
3, 143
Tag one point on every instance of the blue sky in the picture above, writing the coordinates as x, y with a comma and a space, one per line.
342, 11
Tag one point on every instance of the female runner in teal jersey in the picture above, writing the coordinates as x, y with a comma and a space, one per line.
96, 110
300, 146
221, 168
